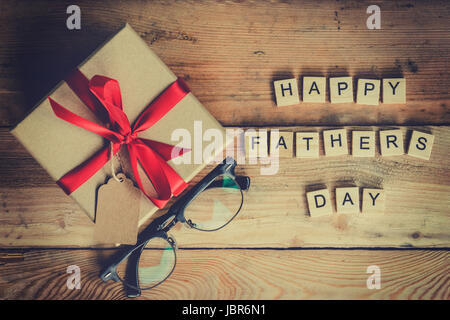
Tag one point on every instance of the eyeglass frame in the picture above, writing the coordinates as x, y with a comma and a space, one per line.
160, 227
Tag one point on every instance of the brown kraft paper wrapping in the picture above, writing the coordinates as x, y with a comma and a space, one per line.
60, 146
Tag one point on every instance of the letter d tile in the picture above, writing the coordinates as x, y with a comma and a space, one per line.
319, 203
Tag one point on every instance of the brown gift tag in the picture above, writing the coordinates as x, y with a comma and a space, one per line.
117, 214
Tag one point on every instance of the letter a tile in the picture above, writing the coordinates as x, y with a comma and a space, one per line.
347, 200
314, 89
282, 143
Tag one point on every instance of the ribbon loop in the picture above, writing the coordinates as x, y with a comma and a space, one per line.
151, 155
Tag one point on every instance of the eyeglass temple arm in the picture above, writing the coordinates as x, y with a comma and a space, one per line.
110, 273
132, 274
132, 253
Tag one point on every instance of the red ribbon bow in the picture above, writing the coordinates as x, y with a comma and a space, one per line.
152, 155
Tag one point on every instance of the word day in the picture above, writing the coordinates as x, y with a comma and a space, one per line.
347, 201
341, 91
335, 142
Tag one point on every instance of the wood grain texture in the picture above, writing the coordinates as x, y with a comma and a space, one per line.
34, 212
238, 274
230, 52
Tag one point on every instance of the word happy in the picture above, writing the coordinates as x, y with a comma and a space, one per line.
341, 91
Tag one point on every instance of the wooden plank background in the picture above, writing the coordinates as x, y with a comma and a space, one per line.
229, 53
238, 274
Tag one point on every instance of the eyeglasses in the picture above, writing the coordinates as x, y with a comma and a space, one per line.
209, 206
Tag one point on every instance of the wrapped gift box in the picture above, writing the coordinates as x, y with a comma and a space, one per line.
60, 146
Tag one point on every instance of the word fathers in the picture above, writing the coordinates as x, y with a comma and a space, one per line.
335, 143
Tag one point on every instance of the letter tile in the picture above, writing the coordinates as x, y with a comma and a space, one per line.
282, 143
420, 145
314, 89
307, 144
347, 200
368, 92
391, 142
394, 90
319, 203
286, 92
256, 144
335, 142
363, 143
341, 90
373, 201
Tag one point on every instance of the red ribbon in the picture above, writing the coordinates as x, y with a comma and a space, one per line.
102, 96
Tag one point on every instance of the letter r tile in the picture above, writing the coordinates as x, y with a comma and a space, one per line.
391, 142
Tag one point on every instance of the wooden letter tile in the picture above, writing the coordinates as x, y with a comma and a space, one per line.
307, 144
368, 92
282, 143
394, 90
391, 142
420, 145
286, 92
319, 203
341, 89
373, 201
335, 142
314, 89
347, 200
363, 143
256, 144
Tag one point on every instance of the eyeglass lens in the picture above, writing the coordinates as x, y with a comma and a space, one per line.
156, 263
216, 205
213, 208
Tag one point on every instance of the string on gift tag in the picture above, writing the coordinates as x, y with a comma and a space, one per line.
112, 164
